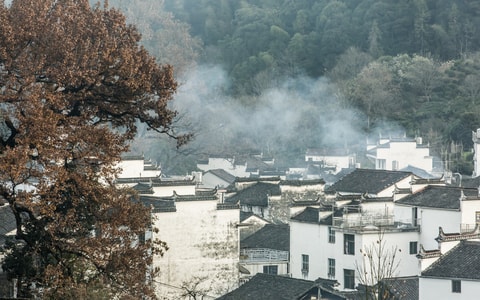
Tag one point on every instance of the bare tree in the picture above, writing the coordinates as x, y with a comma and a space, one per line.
378, 263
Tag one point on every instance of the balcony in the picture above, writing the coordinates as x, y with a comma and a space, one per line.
262, 255
364, 222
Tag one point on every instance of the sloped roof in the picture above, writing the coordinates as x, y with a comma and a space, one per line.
143, 188
222, 174
271, 287
435, 196
418, 172
367, 181
276, 237
471, 182
158, 204
255, 195
462, 262
308, 215
401, 287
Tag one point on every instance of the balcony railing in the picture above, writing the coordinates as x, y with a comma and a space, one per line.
372, 222
262, 254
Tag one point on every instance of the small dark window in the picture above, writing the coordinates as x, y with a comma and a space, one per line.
331, 235
349, 278
305, 265
456, 286
413, 247
349, 241
272, 270
331, 268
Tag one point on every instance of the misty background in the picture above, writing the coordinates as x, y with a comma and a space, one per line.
279, 77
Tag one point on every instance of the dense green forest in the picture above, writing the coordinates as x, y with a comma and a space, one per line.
412, 66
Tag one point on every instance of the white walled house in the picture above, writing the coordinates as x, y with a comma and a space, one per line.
326, 245
135, 166
201, 233
372, 183
249, 166
335, 159
455, 209
217, 178
265, 251
455, 275
202, 236
399, 153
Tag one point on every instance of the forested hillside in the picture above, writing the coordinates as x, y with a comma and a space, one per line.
411, 65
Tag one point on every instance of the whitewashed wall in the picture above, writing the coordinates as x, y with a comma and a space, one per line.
437, 289
203, 245
312, 239
406, 153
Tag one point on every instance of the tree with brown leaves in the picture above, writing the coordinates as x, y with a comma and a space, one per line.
74, 83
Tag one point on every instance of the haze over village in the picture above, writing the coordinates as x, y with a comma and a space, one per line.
234, 150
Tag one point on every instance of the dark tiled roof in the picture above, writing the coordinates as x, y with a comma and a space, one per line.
158, 204
271, 287
401, 287
302, 182
471, 182
7, 222
143, 188
255, 195
308, 215
271, 236
418, 172
368, 181
435, 196
222, 174
462, 262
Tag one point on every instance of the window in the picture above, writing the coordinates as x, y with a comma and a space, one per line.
415, 216
305, 265
456, 286
413, 247
349, 242
349, 279
381, 164
272, 270
331, 235
331, 268
394, 165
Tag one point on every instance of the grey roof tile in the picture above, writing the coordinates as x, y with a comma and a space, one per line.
270, 236
462, 262
222, 174
255, 195
434, 196
367, 181
401, 287
271, 287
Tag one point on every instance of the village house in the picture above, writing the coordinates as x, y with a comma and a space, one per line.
273, 199
200, 230
357, 214
399, 153
455, 209
256, 165
331, 243
265, 251
452, 270
217, 178
335, 160
274, 287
